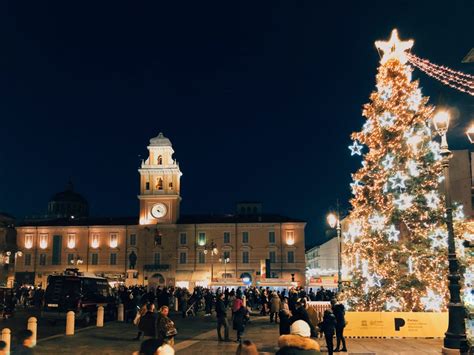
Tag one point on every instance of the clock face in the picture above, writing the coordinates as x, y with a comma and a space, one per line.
159, 210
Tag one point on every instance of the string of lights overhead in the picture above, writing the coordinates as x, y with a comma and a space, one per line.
454, 79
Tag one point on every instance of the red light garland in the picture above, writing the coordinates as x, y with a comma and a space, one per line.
455, 79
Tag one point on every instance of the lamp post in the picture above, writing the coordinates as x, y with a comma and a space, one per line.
455, 336
334, 222
212, 248
225, 261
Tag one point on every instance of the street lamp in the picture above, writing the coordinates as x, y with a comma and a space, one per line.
225, 261
334, 222
211, 248
455, 336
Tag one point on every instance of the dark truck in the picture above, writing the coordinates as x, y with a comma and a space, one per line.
74, 291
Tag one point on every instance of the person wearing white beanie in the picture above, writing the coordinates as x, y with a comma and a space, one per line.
298, 341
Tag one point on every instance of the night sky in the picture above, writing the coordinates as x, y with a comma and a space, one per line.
258, 98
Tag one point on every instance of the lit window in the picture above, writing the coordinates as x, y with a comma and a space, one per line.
227, 237
133, 239
43, 241
71, 241
290, 237
29, 241
113, 240
245, 237
202, 238
95, 241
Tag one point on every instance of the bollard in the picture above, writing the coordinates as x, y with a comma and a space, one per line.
244, 301
70, 323
120, 312
33, 326
7, 337
100, 316
176, 304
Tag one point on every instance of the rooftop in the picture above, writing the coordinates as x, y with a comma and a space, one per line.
133, 221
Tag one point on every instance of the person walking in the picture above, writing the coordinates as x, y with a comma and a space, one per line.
165, 328
275, 306
327, 326
146, 323
221, 313
136, 321
238, 323
339, 312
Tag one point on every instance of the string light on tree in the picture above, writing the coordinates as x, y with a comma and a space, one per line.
435, 150
439, 239
377, 222
404, 201
354, 186
392, 304
414, 100
432, 301
367, 127
356, 148
458, 213
392, 234
394, 48
410, 264
398, 181
401, 165
388, 161
387, 119
432, 199
412, 168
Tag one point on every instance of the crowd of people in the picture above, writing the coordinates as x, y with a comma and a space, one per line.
288, 308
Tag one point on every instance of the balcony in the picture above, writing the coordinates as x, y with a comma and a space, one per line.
156, 267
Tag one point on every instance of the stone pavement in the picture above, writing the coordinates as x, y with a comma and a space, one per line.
115, 337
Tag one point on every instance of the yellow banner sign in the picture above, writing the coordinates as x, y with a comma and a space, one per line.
396, 324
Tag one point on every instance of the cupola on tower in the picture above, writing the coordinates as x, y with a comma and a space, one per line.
159, 184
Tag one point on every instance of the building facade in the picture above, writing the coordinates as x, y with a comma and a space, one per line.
160, 246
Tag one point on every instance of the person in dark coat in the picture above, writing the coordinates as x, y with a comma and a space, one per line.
221, 313
239, 322
339, 312
164, 325
284, 316
298, 342
328, 326
300, 313
147, 322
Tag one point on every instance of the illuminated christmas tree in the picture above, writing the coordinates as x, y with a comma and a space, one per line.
395, 246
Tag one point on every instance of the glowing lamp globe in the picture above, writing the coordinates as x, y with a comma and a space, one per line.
332, 220
441, 122
470, 133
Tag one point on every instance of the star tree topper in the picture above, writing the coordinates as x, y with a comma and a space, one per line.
394, 48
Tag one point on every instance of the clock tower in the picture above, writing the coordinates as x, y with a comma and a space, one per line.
159, 184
